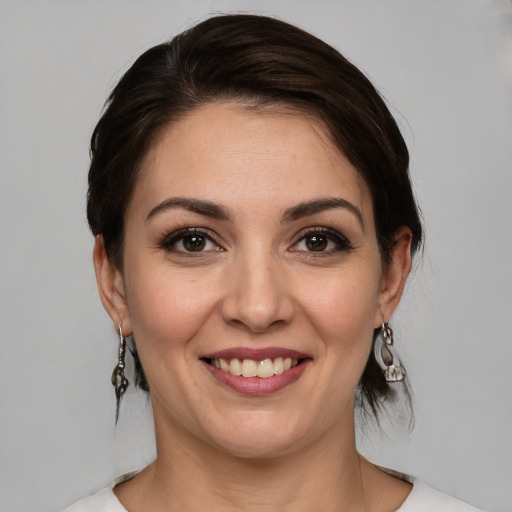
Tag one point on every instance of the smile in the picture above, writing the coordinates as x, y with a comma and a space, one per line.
256, 371
252, 368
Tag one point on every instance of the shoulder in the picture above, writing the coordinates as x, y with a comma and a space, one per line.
104, 500
424, 498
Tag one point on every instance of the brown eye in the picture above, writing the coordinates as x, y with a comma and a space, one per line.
316, 242
194, 243
190, 241
323, 241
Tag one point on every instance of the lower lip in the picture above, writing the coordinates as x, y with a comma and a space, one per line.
256, 385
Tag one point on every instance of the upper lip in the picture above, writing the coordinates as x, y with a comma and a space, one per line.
256, 354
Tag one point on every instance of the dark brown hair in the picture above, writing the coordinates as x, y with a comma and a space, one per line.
262, 62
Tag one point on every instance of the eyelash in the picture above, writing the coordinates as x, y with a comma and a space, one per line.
170, 241
341, 242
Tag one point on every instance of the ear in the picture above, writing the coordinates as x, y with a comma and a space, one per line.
111, 287
395, 275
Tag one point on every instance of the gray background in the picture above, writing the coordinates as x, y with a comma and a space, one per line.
444, 66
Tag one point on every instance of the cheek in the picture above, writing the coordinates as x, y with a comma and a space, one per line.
166, 308
343, 312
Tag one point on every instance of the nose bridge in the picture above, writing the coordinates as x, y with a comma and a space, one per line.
258, 295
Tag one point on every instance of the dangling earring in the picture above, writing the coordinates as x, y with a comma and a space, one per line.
393, 372
119, 381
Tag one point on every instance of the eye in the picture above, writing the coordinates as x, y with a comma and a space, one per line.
322, 240
192, 243
190, 240
316, 242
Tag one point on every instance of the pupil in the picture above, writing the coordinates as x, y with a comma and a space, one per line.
316, 242
194, 243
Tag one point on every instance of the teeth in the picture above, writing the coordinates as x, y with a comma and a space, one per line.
278, 366
250, 368
235, 367
265, 368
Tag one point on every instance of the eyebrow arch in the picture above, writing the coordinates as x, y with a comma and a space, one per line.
320, 205
200, 206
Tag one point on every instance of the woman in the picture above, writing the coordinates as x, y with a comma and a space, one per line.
255, 225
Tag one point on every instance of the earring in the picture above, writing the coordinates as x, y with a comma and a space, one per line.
119, 381
393, 372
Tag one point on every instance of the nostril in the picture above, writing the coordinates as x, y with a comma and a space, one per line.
256, 326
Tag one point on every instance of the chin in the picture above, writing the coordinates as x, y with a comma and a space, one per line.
260, 448
261, 436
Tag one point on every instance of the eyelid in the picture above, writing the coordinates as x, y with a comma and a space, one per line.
175, 236
341, 240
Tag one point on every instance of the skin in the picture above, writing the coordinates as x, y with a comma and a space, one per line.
257, 283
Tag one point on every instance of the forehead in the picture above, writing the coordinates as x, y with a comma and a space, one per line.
231, 153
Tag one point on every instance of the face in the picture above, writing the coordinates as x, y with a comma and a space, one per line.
250, 248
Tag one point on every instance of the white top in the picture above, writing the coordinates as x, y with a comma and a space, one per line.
422, 498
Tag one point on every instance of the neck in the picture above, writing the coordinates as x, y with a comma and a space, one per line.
327, 475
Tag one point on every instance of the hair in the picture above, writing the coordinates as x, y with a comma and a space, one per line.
263, 62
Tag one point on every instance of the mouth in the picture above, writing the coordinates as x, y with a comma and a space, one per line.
256, 371
263, 369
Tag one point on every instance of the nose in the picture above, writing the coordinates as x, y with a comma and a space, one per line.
257, 294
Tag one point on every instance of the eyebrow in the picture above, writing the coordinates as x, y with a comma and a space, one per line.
200, 206
320, 205
215, 211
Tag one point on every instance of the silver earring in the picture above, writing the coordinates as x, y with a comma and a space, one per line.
119, 381
393, 370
